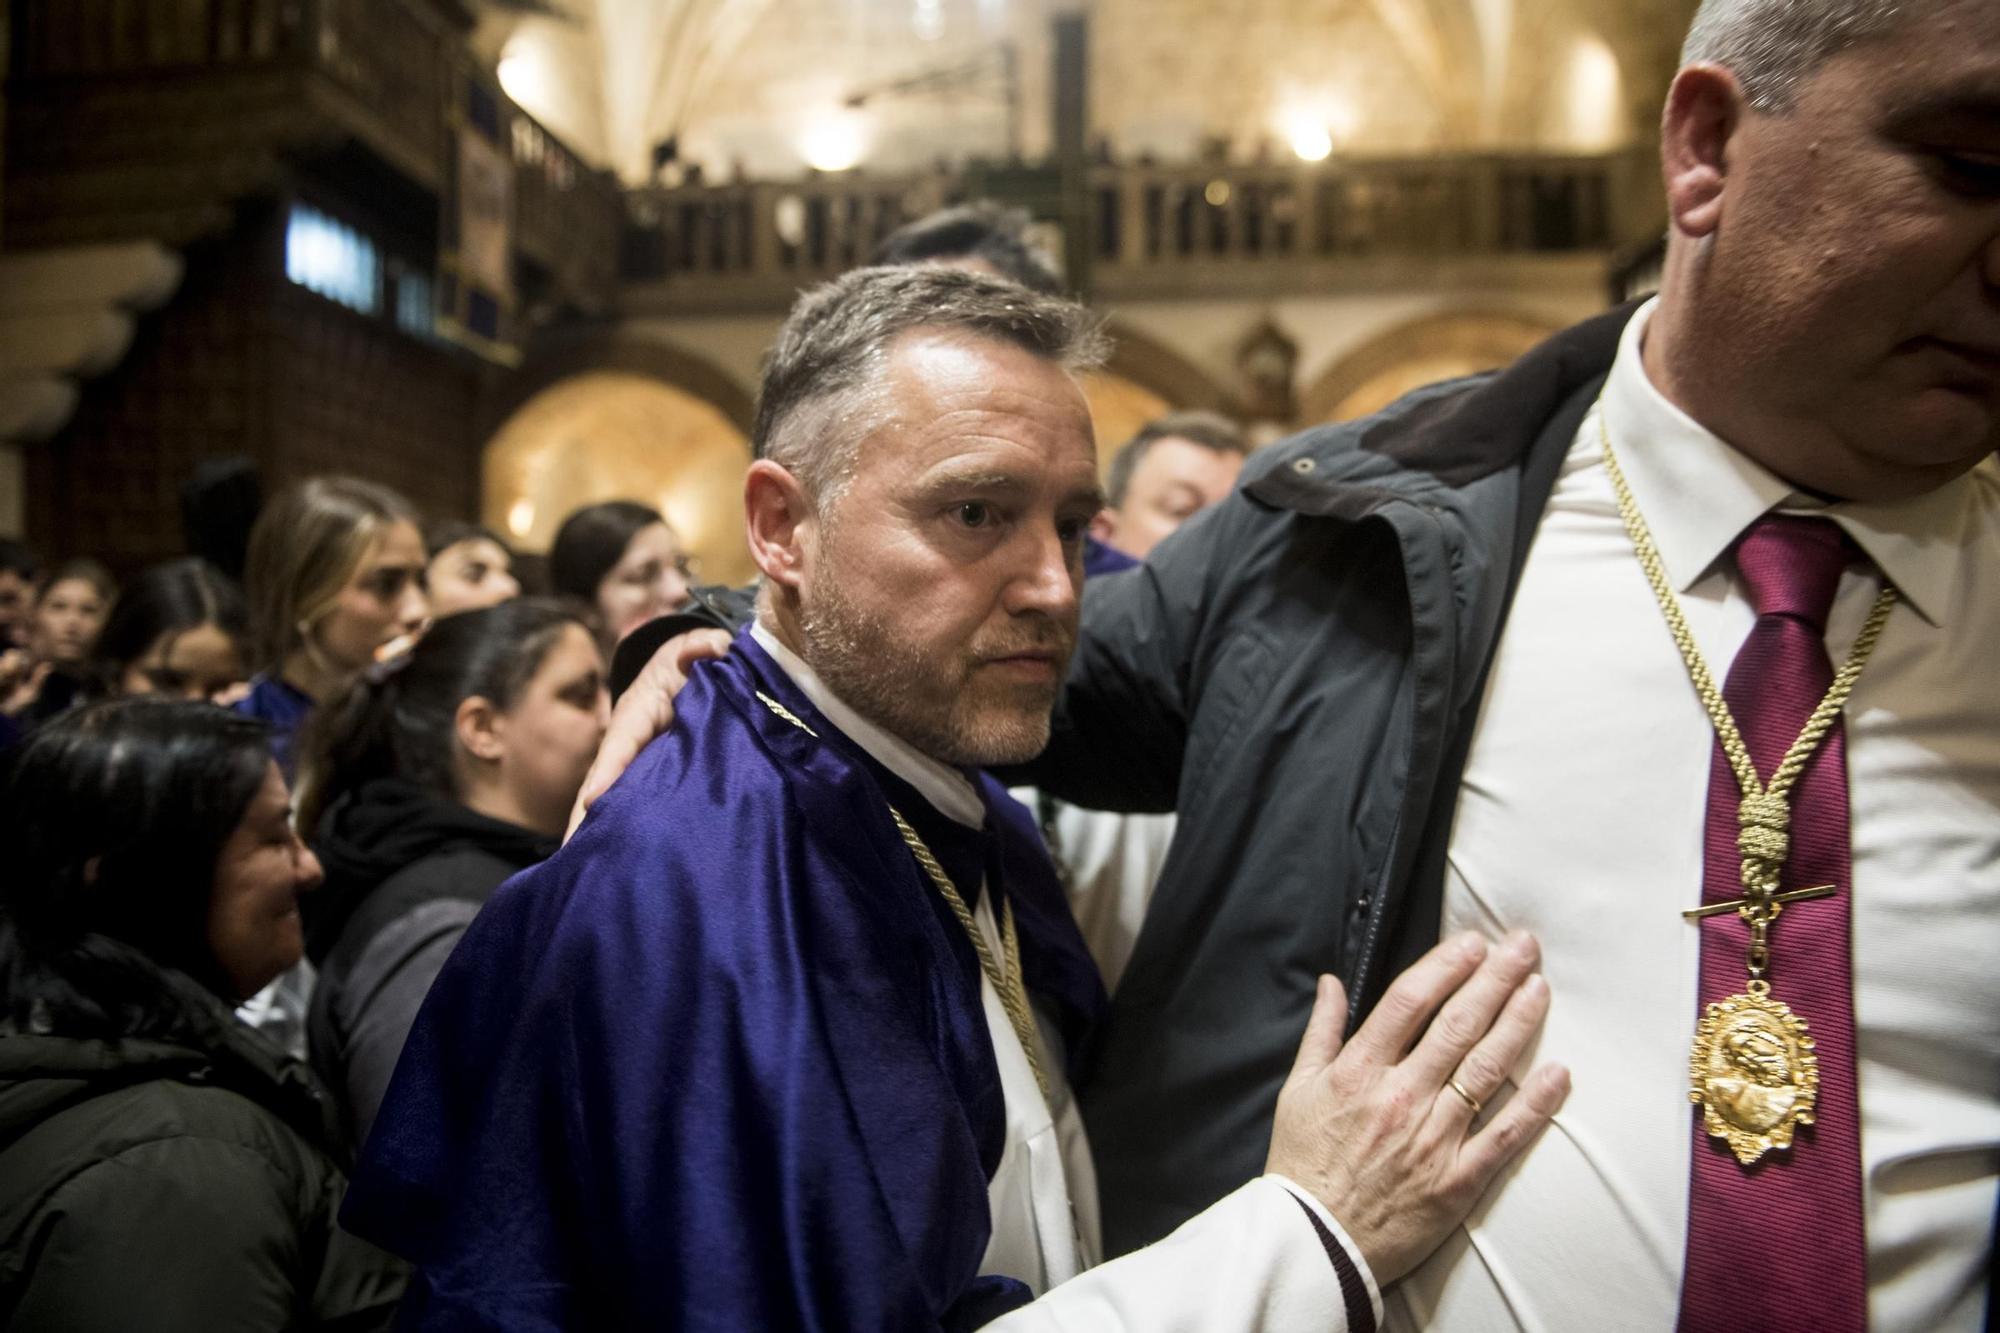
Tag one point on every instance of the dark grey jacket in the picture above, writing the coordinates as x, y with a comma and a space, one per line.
187, 1185
1297, 672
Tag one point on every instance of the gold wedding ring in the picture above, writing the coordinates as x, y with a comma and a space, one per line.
1470, 1100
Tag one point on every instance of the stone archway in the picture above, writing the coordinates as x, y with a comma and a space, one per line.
1424, 351
622, 418
1144, 379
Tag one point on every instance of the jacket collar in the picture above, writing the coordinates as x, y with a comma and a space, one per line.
1439, 438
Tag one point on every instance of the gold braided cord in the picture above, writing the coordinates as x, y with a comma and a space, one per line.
1004, 972
1765, 812
1823, 717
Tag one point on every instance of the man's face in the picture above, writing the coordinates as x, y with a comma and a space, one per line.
1175, 480
939, 590
1855, 269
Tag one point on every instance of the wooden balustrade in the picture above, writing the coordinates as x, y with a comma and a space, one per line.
1151, 225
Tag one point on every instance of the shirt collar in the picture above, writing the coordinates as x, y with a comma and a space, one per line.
937, 782
1698, 493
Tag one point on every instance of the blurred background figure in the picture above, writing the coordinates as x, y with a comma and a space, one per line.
220, 501
178, 630
621, 560
983, 237
470, 567
19, 571
163, 1167
335, 578
63, 624
1174, 468
429, 785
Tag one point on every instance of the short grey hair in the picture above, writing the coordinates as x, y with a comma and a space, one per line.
821, 374
1774, 46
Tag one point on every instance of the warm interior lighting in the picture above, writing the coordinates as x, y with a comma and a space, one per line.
521, 518
1595, 102
525, 76
1314, 123
835, 141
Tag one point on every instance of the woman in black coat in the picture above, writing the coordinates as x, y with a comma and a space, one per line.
161, 1166
429, 783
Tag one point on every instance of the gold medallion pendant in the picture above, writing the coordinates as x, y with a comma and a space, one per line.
1753, 1072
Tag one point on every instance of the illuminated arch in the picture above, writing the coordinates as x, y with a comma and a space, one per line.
1421, 352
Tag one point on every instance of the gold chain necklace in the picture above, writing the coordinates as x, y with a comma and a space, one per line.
1752, 1067
1004, 971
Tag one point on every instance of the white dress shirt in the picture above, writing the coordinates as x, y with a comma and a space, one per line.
1251, 1262
1581, 818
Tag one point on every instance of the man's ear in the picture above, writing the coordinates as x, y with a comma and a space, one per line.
479, 726
1705, 108
780, 519
1104, 526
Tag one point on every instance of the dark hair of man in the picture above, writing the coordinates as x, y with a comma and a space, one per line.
400, 720
828, 357
1207, 429
591, 542
114, 817
169, 599
18, 559
441, 537
982, 230
83, 570
220, 501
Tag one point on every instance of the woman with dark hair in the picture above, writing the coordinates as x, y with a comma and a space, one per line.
469, 567
622, 561
161, 1166
428, 784
178, 630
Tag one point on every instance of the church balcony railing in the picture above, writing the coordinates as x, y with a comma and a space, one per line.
1201, 229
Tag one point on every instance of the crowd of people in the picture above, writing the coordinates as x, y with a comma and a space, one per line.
1171, 897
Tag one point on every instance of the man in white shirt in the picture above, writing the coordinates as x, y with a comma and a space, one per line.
779, 1039
1432, 689
1434, 685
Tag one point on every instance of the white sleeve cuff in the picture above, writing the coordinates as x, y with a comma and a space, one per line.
1265, 1259
1349, 1267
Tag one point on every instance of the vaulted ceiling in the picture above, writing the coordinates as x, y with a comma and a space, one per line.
751, 82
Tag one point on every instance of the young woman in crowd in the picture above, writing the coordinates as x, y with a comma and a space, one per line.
470, 567
335, 581
622, 561
68, 615
429, 783
161, 1167
178, 630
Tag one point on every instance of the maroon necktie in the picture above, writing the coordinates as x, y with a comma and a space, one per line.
1781, 1245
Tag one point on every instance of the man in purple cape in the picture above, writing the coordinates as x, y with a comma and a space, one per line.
778, 1041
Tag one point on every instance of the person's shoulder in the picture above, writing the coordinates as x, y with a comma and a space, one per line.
167, 1125
270, 699
1349, 451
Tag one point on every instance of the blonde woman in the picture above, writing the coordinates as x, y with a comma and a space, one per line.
335, 581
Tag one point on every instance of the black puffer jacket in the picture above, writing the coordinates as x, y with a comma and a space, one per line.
406, 871
168, 1185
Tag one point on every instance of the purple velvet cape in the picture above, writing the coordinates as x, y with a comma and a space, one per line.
720, 1063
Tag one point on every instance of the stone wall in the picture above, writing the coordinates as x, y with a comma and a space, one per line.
242, 362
